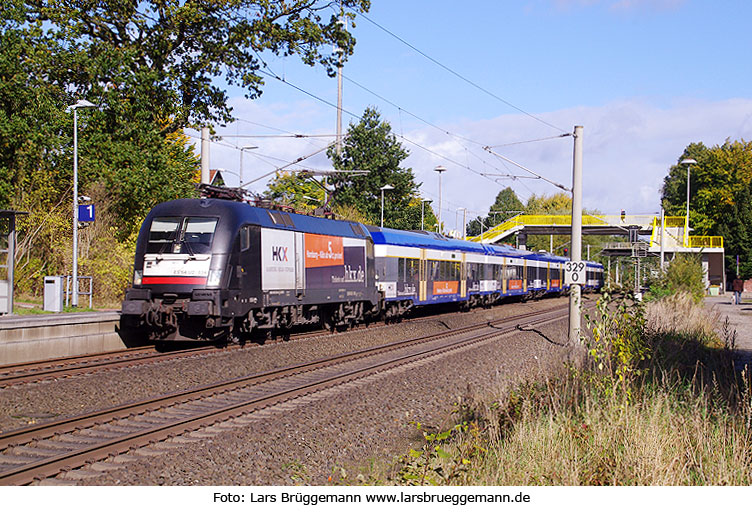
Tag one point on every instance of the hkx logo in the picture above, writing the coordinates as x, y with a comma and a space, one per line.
279, 254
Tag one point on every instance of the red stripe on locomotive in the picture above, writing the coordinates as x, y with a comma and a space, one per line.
174, 280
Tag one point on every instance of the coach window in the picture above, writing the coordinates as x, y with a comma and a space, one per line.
412, 270
435, 270
401, 270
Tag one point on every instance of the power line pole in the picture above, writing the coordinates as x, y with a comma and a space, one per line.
205, 155
575, 290
338, 144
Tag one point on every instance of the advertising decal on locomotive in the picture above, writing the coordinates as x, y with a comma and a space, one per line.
277, 259
333, 260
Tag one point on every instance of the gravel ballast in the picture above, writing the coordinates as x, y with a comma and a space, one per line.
314, 437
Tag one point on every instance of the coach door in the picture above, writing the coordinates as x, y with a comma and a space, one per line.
423, 276
524, 275
299, 264
504, 275
463, 276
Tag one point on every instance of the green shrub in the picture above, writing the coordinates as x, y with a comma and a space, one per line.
683, 274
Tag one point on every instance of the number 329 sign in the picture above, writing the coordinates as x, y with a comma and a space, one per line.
574, 273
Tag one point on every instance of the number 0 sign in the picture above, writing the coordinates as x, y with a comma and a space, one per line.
574, 273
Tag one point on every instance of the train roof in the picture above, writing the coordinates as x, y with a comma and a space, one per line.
507, 250
424, 239
236, 213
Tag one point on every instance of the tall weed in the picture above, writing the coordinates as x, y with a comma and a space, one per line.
658, 402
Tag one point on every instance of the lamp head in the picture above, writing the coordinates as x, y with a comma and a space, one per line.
82, 103
688, 161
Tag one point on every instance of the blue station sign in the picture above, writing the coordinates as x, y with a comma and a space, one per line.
86, 212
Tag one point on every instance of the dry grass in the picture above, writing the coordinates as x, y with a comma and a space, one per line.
668, 437
680, 316
685, 420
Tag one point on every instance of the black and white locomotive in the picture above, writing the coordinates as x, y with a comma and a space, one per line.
213, 269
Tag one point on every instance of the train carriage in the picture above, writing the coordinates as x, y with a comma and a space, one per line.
593, 277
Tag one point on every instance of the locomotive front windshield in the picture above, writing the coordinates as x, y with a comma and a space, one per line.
181, 235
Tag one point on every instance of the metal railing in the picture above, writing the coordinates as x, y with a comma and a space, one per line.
706, 241
69, 290
700, 241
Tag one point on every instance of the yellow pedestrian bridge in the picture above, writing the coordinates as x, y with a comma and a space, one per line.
674, 230
667, 238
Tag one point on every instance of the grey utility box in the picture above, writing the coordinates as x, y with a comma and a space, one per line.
53, 293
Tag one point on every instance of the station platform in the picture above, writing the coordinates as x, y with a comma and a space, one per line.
28, 338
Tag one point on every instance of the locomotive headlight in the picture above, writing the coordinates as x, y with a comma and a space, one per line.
138, 277
214, 277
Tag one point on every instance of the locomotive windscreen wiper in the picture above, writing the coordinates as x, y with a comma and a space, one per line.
188, 248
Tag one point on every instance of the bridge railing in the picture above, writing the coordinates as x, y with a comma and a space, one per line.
604, 220
706, 241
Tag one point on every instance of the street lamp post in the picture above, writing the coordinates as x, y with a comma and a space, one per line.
385, 187
689, 162
78, 105
440, 169
242, 150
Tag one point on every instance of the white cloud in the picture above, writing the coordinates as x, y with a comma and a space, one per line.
628, 149
629, 146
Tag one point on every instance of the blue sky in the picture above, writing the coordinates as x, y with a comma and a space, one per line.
645, 78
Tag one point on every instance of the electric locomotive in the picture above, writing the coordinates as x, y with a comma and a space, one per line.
208, 269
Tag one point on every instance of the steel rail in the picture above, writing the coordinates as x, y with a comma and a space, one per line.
50, 466
64, 367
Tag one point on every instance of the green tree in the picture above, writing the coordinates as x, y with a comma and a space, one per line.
296, 190
684, 274
506, 205
719, 196
152, 68
369, 145
169, 58
556, 204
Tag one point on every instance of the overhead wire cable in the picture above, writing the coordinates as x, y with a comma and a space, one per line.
458, 75
430, 151
530, 141
401, 109
260, 156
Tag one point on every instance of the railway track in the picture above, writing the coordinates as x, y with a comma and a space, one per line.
46, 370
29, 372
47, 449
